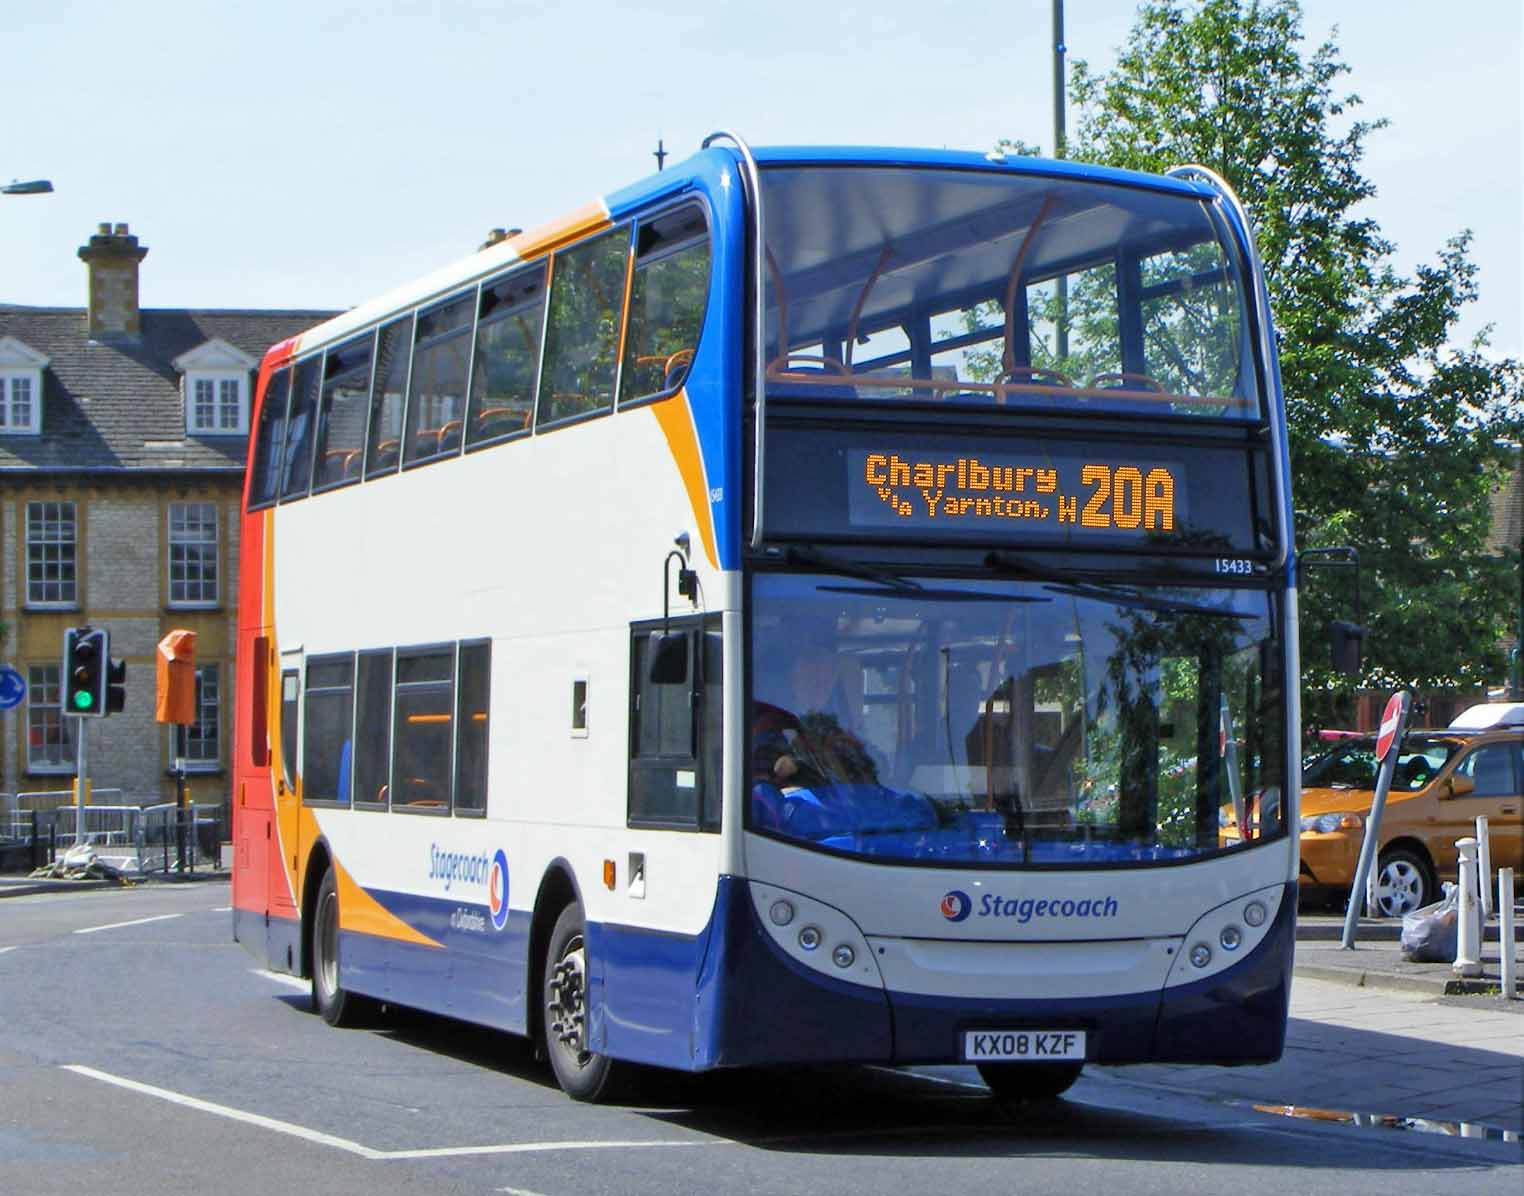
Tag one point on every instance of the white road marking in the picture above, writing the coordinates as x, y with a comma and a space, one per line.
282, 978
3, 950
518, 1192
222, 909
356, 1148
134, 922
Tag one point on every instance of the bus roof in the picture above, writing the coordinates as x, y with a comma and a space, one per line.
682, 176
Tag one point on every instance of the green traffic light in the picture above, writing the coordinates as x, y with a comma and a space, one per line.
82, 700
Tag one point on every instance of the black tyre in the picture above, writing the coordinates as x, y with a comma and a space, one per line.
1404, 882
582, 1074
337, 1006
1029, 1081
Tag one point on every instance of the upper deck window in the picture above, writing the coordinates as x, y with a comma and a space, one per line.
996, 288
667, 296
587, 292
436, 393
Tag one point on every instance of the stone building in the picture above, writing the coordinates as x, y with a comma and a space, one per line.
123, 436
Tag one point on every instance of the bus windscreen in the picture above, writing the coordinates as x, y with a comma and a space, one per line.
993, 288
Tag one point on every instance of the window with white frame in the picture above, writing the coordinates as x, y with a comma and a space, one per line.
217, 404
21, 368
192, 554
49, 736
51, 562
20, 405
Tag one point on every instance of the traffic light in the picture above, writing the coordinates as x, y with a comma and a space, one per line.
86, 652
116, 685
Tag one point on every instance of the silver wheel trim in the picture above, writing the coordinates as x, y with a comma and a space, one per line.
1399, 888
565, 1005
326, 967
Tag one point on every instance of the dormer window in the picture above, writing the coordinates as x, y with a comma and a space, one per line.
216, 404
20, 388
216, 389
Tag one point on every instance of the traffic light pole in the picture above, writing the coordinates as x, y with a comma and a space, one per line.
80, 781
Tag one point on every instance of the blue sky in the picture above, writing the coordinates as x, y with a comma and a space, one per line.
314, 154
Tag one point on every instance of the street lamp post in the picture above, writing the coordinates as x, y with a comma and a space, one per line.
31, 187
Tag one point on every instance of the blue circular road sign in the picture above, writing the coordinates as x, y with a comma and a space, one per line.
12, 688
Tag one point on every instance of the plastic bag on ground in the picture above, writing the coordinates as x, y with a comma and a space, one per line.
1429, 934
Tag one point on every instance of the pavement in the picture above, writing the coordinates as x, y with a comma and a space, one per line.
1372, 1038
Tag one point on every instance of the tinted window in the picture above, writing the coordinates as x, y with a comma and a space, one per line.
270, 441
423, 712
384, 451
373, 727
472, 700
507, 357
1492, 769
667, 295
436, 392
304, 395
327, 749
582, 336
675, 740
342, 413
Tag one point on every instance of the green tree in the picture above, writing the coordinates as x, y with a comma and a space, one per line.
1397, 437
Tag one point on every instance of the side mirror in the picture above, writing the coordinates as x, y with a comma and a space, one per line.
1458, 786
1345, 641
668, 658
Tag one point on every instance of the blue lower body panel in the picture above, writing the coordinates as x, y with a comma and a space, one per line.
728, 997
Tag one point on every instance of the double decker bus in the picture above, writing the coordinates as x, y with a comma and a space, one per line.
812, 605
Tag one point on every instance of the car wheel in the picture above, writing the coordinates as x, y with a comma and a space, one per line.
583, 1075
1403, 883
1029, 1081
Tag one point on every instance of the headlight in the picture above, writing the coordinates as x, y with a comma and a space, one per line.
1325, 824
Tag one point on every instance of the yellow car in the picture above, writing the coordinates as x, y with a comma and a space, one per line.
1443, 780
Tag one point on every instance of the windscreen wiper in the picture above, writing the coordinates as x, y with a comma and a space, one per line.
816, 559
1085, 584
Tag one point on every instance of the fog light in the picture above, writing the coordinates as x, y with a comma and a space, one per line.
809, 938
1255, 913
1201, 955
843, 956
1230, 938
782, 913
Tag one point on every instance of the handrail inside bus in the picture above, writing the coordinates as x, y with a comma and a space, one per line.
754, 182
1261, 301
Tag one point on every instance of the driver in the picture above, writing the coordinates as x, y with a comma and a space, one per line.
809, 742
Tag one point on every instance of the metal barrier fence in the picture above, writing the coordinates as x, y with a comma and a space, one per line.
139, 836
171, 839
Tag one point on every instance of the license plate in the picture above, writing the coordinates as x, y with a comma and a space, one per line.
980, 1046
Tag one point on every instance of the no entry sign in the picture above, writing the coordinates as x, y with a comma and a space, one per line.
1391, 717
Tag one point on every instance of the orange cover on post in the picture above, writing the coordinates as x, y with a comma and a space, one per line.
176, 676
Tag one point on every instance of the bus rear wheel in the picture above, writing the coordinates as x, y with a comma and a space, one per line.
1029, 1081
584, 1075
337, 1006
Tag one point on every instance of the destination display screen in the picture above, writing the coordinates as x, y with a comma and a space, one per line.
1103, 493
1000, 491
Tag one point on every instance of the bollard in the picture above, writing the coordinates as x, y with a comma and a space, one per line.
1484, 864
1505, 932
1468, 948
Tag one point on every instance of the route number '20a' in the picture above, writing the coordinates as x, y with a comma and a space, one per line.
1126, 497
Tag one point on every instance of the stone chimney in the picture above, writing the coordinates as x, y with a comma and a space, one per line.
497, 236
112, 258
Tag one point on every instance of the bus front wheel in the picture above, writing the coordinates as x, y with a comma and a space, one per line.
583, 1075
1029, 1081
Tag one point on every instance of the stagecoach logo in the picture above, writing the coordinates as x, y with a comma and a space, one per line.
956, 906
497, 890
473, 870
